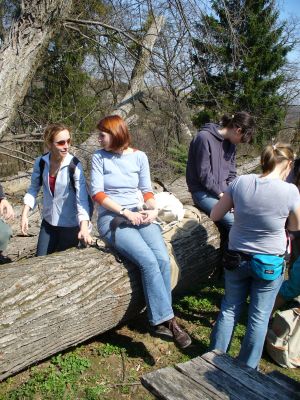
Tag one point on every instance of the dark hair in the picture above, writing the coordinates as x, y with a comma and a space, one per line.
275, 154
241, 120
118, 129
297, 172
52, 130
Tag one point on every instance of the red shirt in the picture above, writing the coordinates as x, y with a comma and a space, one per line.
52, 180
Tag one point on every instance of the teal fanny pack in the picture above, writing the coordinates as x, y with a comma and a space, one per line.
267, 266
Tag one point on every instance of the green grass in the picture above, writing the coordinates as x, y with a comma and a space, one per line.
57, 381
110, 368
107, 349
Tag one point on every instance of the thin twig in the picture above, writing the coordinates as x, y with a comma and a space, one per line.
123, 365
18, 158
17, 151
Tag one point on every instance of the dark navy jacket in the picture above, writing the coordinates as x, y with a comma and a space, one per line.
2, 195
211, 161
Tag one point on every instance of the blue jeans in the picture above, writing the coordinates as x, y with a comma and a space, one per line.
5, 235
145, 247
238, 285
56, 238
205, 201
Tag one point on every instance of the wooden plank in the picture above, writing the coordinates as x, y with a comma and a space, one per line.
215, 382
255, 381
285, 381
170, 384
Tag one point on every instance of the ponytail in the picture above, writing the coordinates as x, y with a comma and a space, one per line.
275, 154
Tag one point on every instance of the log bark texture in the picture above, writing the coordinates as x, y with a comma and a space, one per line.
48, 304
22, 51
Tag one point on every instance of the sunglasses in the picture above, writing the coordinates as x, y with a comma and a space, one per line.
62, 142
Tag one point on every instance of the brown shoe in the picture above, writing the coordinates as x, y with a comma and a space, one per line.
162, 331
180, 337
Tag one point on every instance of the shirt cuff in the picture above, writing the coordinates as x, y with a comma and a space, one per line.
99, 197
148, 195
29, 200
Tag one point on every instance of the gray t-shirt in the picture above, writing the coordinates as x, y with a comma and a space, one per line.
261, 207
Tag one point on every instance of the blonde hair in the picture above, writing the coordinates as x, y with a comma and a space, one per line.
275, 154
52, 130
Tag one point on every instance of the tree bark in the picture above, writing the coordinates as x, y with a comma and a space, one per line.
48, 304
22, 51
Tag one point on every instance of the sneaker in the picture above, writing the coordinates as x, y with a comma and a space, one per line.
180, 337
162, 331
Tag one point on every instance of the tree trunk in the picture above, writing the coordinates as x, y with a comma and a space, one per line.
22, 51
48, 304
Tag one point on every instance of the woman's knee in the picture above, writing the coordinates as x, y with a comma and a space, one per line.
164, 262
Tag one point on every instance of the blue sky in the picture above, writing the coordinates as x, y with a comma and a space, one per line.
291, 9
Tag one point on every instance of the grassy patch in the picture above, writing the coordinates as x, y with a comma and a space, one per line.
57, 381
107, 349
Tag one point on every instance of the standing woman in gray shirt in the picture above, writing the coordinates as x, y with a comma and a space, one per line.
254, 263
119, 172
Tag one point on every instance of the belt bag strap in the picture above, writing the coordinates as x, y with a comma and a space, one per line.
267, 266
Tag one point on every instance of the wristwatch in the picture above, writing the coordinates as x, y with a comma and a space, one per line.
121, 212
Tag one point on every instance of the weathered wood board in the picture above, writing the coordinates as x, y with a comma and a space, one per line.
217, 376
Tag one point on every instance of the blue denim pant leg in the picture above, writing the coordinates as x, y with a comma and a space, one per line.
55, 238
237, 285
262, 298
145, 247
206, 201
5, 235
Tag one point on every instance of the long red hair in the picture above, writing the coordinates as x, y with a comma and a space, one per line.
118, 129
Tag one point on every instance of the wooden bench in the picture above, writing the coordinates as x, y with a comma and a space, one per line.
216, 376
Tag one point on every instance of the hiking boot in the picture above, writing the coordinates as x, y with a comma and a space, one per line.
5, 259
162, 331
180, 337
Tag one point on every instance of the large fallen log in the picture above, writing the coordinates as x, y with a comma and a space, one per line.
48, 304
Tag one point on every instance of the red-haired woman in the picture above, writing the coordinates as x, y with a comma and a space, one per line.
65, 208
118, 173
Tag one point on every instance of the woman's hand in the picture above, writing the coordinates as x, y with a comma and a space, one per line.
24, 220
6, 210
24, 225
136, 218
149, 216
84, 234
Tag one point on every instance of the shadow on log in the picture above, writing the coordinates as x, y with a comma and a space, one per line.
48, 304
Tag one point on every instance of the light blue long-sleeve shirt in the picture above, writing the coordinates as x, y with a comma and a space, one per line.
121, 177
66, 207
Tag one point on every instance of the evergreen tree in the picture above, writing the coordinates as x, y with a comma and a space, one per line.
241, 49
